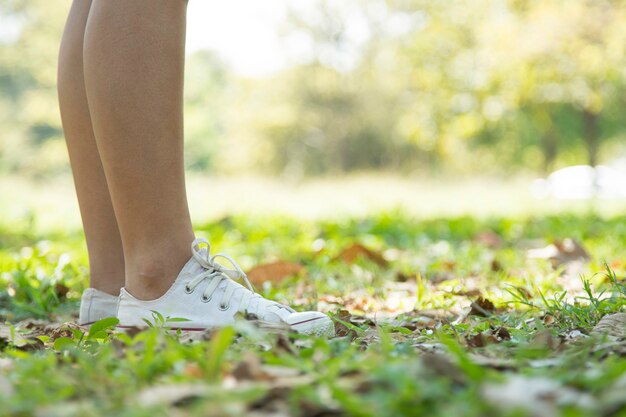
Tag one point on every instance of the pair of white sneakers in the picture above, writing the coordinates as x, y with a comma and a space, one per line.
206, 295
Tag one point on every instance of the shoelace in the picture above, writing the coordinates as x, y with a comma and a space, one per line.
217, 273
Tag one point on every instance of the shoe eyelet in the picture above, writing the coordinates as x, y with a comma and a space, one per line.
188, 289
223, 307
205, 299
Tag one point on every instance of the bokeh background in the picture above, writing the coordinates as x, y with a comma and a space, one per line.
319, 107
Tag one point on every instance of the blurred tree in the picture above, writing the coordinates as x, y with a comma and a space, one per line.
517, 79
31, 142
457, 86
343, 99
564, 72
206, 81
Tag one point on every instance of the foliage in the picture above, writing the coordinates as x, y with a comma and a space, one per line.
443, 316
408, 85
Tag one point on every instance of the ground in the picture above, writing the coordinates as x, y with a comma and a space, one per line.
472, 316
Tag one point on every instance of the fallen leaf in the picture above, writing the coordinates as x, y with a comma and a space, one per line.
371, 336
402, 277
249, 368
61, 290
501, 364
571, 248
481, 340
341, 330
442, 365
274, 372
448, 265
415, 323
64, 330
613, 326
482, 307
356, 250
466, 293
488, 337
284, 345
17, 339
561, 252
192, 370
489, 239
539, 397
543, 339
274, 272
496, 265
171, 394
502, 333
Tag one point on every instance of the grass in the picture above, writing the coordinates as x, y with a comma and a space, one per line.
47, 204
455, 319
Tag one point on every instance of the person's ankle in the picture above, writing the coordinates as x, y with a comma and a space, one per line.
150, 279
107, 282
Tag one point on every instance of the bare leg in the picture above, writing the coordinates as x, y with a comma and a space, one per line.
133, 66
106, 258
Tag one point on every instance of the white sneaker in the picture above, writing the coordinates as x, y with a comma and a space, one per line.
96, 305
205, 294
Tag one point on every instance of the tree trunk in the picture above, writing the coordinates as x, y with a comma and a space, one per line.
592, 136
550, 148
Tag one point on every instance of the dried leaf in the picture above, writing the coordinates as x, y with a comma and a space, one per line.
448, 265
496, 265
543, 339
613, 326
341, 330
371, 336
502, 333
17, 339
416, 323
488, 337
273, 372
192, 370
466, 293
249, 368
284, 345
571, 248
356, 250
441, 364
171, 394
489, 239
61, 290
402, 277
561, 252
274, 272
501, 364
481, 340
540, 397
482, 307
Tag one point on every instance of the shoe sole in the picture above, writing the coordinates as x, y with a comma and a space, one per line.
325, 328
